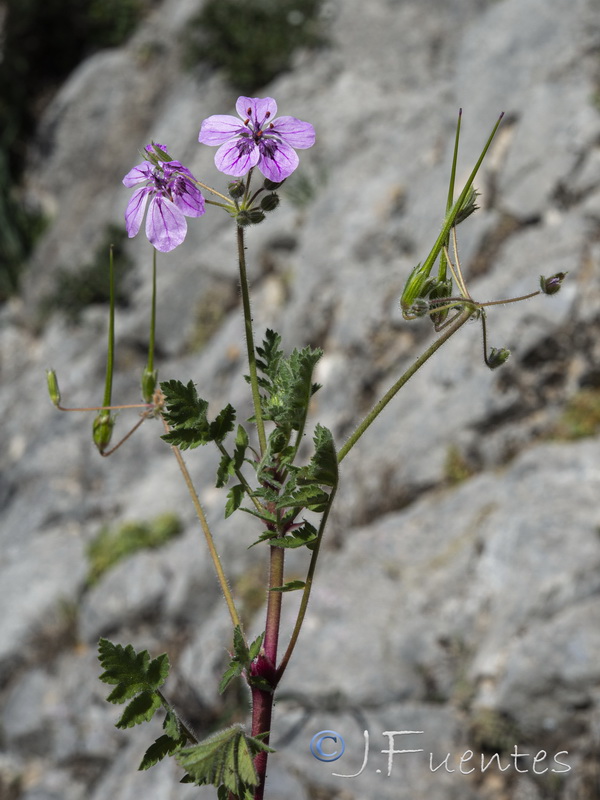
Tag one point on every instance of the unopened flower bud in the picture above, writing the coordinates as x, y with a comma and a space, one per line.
53, 389
552, 285
497, 357
270, 202
236, 189
271, 185
418, 284
149, 378
249, 217
102, 430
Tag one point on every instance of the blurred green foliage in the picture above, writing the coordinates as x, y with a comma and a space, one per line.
41, 42
252, 41
581, 416
112, 545
76, 289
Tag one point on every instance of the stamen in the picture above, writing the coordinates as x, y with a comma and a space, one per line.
267, 115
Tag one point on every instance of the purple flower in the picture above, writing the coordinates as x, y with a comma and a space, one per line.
173, 196
259, 140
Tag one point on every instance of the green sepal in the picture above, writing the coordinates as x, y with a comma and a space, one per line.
53, 389
224, 759
417, 285
102, 429
148, 384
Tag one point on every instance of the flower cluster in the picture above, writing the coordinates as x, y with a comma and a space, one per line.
170, 191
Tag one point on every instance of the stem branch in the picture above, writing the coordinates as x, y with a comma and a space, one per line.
464, 315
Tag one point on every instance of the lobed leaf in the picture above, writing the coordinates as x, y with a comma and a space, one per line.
323, 466
224, 759
234, 499
132, 672
140, 709
223, 424
165, 745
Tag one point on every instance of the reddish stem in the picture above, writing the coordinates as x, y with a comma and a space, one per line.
265, 667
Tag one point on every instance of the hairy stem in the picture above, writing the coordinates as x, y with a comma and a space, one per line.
207, 534
262, 699
307, 589
250, 340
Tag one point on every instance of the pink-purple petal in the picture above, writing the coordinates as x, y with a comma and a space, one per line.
237, 157
277, 162
296, 133
219, 129
134, 213
142, 172
165, 224
257, 109
189, 200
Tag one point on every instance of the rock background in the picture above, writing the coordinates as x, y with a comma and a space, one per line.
468, 611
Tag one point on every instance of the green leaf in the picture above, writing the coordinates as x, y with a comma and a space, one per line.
254, 648
304, 536
186, 414
241, 444
223, 424
323, 466
224, 470
289, 586
172, 726
233, 671
131, 672
140, 709
224, 759
163, 746
234, 499
311, 497
242, 657
184, 409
